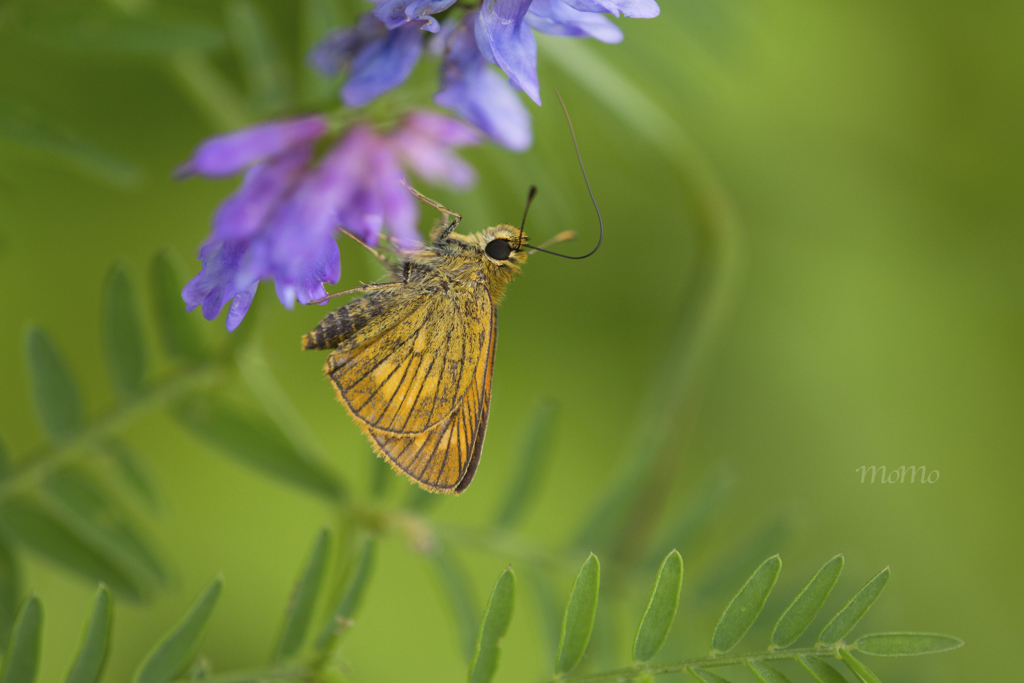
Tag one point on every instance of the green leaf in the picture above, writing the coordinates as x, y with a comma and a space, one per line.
88, 511
493, 628
37, 528
172, 654
578, 622
21, 661
536, 452
264, 68
178, 331
852, 612
32, 132
101, 32
94, 646
806, 605
303, 601
661, 609
706, 676
10, 589
745, 607
53, 388
319, 17
733, 567
132, 470
905, 644
858, 669
458, 589
257, 442
766, 673
820, 670
122, 333
350, 600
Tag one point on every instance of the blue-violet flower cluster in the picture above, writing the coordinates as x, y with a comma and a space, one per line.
300, 187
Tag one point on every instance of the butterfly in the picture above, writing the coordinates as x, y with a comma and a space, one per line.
412, 359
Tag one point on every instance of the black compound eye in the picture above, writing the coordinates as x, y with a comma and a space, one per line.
499, 250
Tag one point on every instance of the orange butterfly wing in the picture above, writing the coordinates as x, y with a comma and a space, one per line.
421, 389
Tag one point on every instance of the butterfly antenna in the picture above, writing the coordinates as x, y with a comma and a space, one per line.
529, 200
593, 200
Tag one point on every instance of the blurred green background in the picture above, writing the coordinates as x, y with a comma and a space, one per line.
872, 152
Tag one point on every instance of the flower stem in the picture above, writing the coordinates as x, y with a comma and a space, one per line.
632, 672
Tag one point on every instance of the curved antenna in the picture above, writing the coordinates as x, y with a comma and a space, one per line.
600, 221
529, 200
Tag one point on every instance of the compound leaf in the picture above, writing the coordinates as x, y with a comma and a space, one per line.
906, 644
820, 670
21, 661
852, 612
91, 658
257, 443
493, 628
39, 529
766, 673
300, 609
661, 608
859, 670
806, 605
53, 389
745, 607
578, 622
172, 654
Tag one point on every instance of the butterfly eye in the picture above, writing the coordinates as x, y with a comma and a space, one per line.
499, 250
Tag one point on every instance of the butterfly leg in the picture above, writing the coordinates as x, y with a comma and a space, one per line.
376, 254
453, 219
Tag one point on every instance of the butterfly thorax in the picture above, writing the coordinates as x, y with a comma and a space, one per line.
457, 261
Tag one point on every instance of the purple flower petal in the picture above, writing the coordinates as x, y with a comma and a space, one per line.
240, 306
363, 216
337, 48
226, 155
478, 94
243, 213
395, 13
424, 142
382, 64
297, 229
558, 19
214, 286
444, 129
505, 39
638, 9
306, 284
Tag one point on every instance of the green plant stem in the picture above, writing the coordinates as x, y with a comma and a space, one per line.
284, 673
59, 454
632, 672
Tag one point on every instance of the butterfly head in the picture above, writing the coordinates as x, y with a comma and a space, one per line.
503, 247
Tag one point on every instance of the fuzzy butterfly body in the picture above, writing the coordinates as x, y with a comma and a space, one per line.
412, 358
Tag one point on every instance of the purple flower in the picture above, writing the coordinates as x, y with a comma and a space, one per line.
379, 59
472, 89
559, 19
505, 39
335, 51
281, 222
638, 9
395, 13
425, 142
228, 154
383, 64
